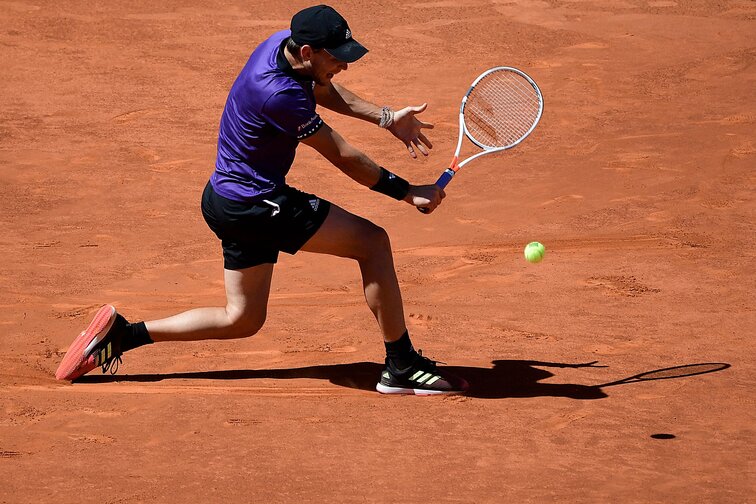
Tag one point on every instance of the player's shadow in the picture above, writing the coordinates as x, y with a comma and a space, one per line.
507, 378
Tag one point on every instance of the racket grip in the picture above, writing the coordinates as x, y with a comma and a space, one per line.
442, 182
445, 178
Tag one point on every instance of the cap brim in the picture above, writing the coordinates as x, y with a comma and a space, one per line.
349, 52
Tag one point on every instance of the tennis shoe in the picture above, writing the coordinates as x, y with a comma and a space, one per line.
97, 345
422, 377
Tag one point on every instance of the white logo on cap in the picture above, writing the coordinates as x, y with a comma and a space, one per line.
348, 33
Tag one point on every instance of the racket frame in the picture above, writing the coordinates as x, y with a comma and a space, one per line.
455, 164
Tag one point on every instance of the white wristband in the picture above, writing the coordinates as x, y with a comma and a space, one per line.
387, 118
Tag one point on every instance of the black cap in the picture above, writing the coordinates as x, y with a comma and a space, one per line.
322, 27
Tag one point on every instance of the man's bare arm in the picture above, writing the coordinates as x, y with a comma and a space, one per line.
401, 123
360, 168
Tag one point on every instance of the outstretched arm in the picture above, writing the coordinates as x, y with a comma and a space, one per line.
402, 123
365, 171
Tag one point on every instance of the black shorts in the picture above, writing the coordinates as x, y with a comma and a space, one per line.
253, 233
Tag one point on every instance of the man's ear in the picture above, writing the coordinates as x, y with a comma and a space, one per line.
306, 52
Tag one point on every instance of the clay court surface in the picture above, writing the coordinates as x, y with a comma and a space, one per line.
639, 180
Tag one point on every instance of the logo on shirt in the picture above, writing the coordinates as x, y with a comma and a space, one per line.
348, 33
307, 124
309, 128
314, 203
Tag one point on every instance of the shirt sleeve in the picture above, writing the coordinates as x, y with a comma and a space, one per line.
292, 112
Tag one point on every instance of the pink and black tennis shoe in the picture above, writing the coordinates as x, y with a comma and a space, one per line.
99, 345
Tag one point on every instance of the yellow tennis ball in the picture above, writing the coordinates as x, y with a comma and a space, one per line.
534, 252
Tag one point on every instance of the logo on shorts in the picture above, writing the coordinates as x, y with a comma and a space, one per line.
314, 203
348, 33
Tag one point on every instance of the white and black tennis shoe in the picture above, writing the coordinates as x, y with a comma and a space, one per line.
422, 377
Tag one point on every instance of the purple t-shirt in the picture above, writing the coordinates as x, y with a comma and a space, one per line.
269, 110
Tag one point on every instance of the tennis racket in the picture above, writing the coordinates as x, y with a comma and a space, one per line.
501, 108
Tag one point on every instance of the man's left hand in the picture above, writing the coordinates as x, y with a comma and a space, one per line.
408, 129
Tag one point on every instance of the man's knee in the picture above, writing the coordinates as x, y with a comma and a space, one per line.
244, 325
375, 240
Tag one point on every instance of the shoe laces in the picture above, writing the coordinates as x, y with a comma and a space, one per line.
112, 365
429, 360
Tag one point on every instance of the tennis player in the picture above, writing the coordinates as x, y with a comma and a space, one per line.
270, 110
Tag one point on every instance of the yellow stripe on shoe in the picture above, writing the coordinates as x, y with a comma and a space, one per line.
423, 378
433, 380
103, 354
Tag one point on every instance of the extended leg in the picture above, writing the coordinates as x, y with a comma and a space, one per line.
247, 293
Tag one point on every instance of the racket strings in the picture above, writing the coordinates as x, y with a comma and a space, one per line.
502, 109
509, 113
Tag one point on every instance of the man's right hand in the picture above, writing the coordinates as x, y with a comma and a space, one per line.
425, 197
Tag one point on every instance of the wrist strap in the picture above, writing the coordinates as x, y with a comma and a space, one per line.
387, 118
391, 185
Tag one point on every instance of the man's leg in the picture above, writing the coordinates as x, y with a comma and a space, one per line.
407, 372
346, 235
247, 293
109, 334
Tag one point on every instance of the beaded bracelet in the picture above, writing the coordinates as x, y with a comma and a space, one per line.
387, 118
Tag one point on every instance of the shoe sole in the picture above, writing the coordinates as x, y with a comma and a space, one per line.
385, 389
77, 362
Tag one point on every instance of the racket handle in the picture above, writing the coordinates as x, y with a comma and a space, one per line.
445, 178
442, 182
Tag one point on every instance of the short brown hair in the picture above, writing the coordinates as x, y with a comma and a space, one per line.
296, 49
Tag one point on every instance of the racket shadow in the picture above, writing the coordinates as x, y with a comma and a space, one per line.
505, 379
668, 373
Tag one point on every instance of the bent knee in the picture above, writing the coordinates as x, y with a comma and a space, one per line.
374, 241
244, 325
